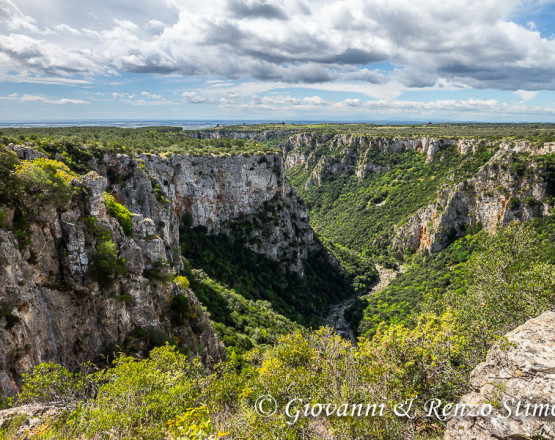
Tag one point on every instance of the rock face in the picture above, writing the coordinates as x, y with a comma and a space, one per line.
524, 373
234, 134
52, 307
499, 193
348, 154
215, 192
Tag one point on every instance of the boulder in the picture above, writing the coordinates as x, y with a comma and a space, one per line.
517, 381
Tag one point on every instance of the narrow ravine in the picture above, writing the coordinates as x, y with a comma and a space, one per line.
336, 315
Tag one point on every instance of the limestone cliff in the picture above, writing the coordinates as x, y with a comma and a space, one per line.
217, 193
218, 133
55, 308
348, 154
514, 184
502, 191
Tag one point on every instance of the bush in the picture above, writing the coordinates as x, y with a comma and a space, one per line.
506, 283
7, 313
182, 282
120, 213
180, 308
136, 399
10, 185
46, 181
50, 382
195, 423
107, 265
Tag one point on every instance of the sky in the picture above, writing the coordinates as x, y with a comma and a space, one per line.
352, 60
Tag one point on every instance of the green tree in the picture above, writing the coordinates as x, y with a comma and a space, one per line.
507, 283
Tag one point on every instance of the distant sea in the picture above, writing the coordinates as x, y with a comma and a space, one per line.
186, 124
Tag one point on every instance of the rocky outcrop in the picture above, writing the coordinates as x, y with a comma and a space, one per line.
52, 306
29, 419
516, 384
216, 133
26, 153
503, 190
330, 156
56, 306
512, 185
217, 193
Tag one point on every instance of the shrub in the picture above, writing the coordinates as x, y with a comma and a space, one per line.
46, 181
138, 398
182, 282
181, 308
51, 382
10, 185
6, 312
507, 282
107, 265
120, 213
194, 423
161, 270
21, 228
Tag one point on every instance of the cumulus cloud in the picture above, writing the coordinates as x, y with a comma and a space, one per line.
256, 9
283, 103
472, 43
193, 97
144, 98
525, 95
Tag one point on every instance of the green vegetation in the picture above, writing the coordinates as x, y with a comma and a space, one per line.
361, 214
535, 132
106, 263
361, 272
159, 193
120, 213
6, 312
425, 275
45, 181
11, 186
181, 309
182, 282
76, 146
240, 323
256, 277
509, 273
431, 280
29, 186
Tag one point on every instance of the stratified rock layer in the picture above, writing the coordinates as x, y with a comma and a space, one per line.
522, 372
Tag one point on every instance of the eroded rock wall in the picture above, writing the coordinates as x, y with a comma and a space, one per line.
53, 308
495, 196
215, 192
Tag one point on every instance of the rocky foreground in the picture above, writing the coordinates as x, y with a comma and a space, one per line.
520, 369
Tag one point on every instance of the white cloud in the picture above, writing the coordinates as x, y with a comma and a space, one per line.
525, 95
145, 98
193, 97
471, 42
36, 98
